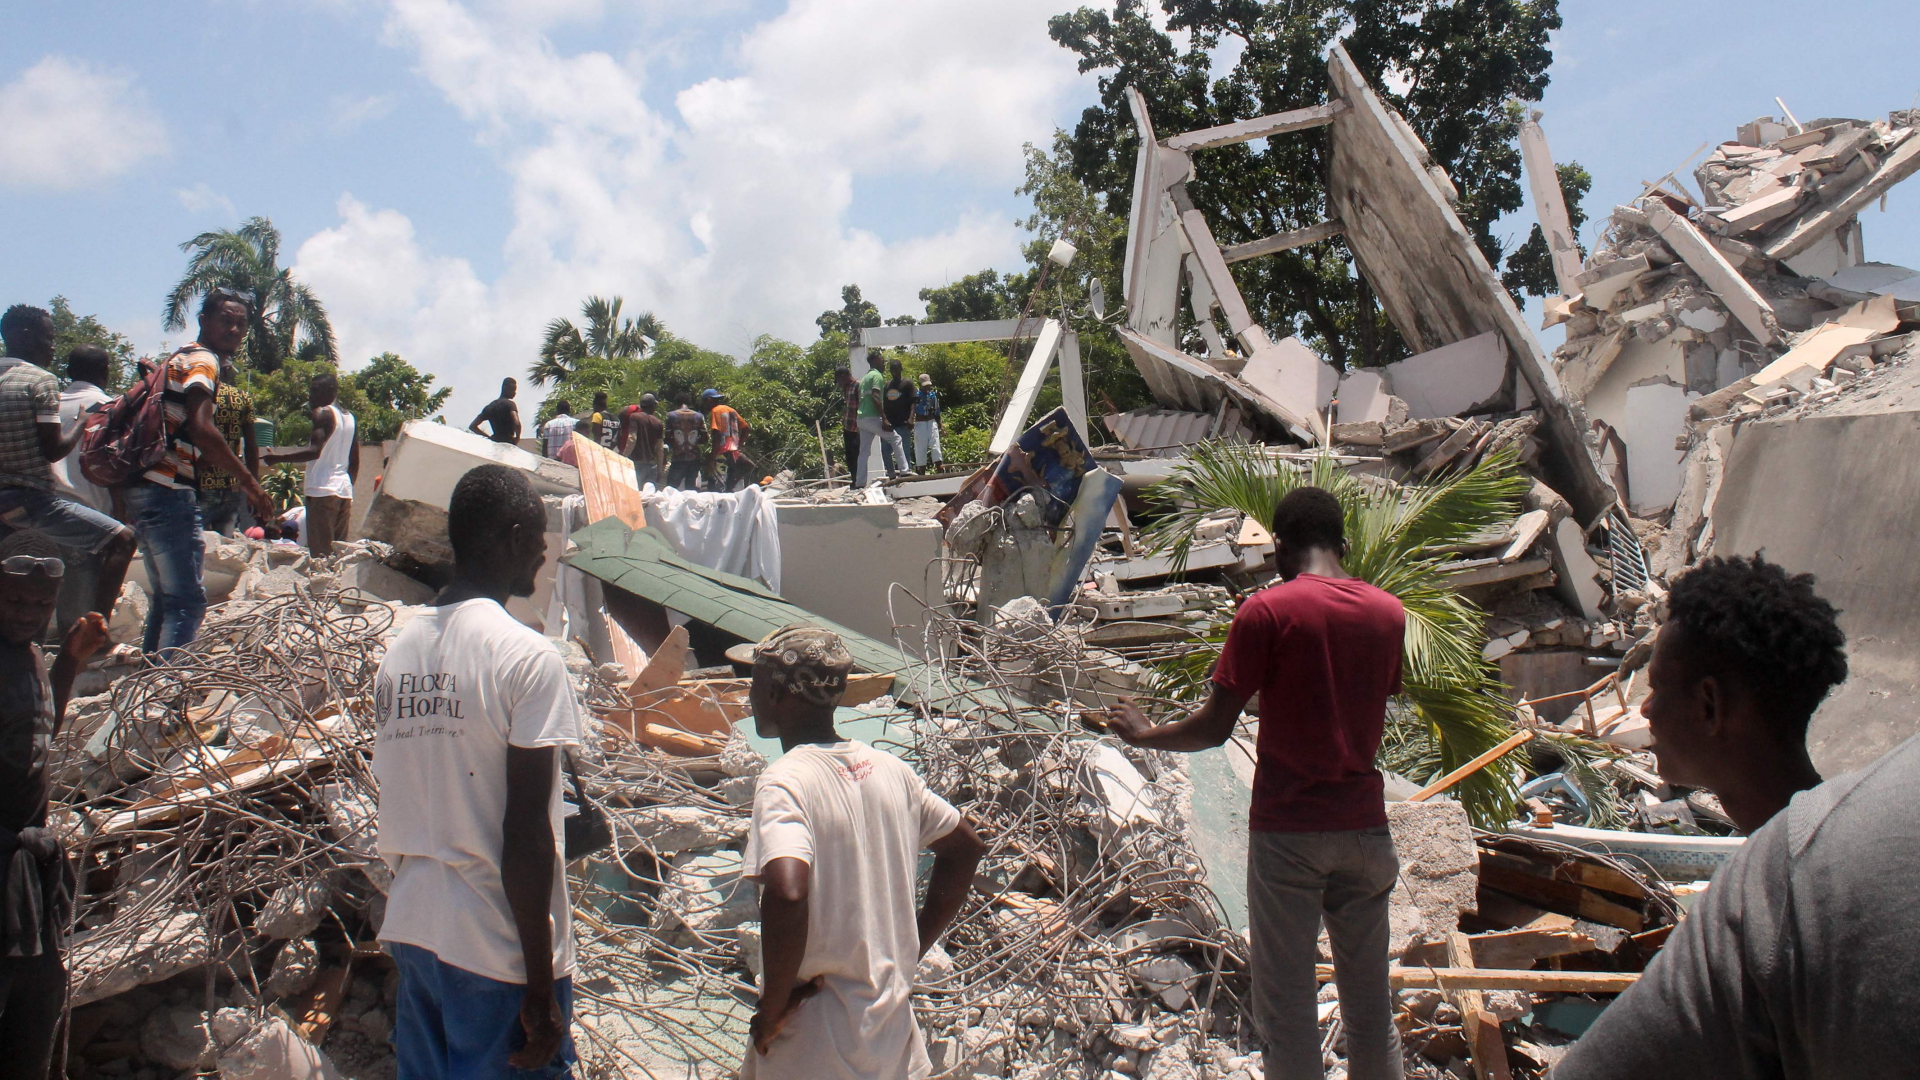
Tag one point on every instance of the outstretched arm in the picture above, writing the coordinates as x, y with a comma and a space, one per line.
1206, 727
316, 441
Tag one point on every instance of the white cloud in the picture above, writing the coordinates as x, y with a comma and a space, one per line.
729, 213
69, 125
202, 199
346, 114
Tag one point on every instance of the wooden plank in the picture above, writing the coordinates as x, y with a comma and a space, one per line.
1511, 949
612, 490
314, 1012
1459, 978
1286, 241
1259, 127
1506, 745
1486, 1047
1567, 897
1819, 221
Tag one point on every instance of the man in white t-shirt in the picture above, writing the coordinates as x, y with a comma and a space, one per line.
837, 832
474, 711
558, 432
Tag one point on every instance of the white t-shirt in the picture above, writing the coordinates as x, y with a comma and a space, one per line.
558, 430
458, 686
859, 818
296, 517
79, 396
328, 474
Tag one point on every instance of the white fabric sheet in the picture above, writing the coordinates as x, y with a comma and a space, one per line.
737, 532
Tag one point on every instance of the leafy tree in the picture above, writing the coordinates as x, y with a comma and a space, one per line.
607, 338
1530, 267
1397, 538
382, 396
976, 298
71, 331
393, 392
1449, 66
247, 260
854, 314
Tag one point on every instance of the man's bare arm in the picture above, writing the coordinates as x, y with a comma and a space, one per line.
323, 426
1206, 727
527, 866
56, 441
955, 857
785, 908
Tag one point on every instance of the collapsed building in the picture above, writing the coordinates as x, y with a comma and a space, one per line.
1723, 354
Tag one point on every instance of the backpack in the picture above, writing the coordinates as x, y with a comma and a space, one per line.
123, 438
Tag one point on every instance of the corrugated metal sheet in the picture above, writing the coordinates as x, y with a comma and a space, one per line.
1165, 432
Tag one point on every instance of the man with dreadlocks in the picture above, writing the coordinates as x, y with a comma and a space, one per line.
838, 828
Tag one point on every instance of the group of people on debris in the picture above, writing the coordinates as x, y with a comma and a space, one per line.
185, 449
1798, 962
685, 449
885, 406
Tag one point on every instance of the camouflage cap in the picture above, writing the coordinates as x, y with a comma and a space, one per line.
807, 662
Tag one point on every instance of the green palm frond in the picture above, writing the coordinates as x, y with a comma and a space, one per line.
1395, 540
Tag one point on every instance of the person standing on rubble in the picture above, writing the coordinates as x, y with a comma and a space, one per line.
686, 437
838, 828
849, 390
1802, 959
642, 438
873, 421
334, 455
898, 406
32, 439
1322, 649
502, 415
473, 712
926, 425
36, 880
557, 433
728, 431
164, 504
89, 370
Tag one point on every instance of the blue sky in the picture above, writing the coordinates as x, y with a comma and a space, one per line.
451, 175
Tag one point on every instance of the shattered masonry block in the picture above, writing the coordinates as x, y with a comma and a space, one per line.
294, 969
263, 1046
294, 910
1439, 870
670, 829
120, 957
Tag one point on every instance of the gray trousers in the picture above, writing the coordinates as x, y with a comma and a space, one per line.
1294, 881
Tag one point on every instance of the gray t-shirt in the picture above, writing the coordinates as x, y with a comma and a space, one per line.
1802, 959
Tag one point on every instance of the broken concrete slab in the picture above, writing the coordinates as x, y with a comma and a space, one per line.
1365, 396
1728, 285
1578, 576
122, 956
1656, 415
1292, 373
1452, 380
1439, 871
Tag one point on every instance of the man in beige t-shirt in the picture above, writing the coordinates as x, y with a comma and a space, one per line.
838, 828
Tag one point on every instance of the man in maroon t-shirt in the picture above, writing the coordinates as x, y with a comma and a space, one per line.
1322, 649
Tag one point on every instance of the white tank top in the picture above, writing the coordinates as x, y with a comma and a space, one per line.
327, 474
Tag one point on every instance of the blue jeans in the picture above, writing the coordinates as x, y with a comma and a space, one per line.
167, 520
221, 510
452, 1024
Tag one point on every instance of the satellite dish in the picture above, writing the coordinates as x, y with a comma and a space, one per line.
1097, 299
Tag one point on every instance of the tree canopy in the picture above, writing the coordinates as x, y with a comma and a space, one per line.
285, 311
71, 330
1451, 67
382, 396
607, 339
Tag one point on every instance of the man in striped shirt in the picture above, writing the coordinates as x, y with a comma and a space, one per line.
165, 502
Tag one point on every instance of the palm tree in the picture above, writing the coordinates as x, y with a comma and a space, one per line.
247, 260
606, 338
1397, 538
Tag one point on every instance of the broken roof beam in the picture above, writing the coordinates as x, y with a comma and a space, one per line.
1543, 181
1020, 406
1155, 243
1429, 274
1279, 242
1816, 224
945, 333
1206, 252
1259, 127
1704, 259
